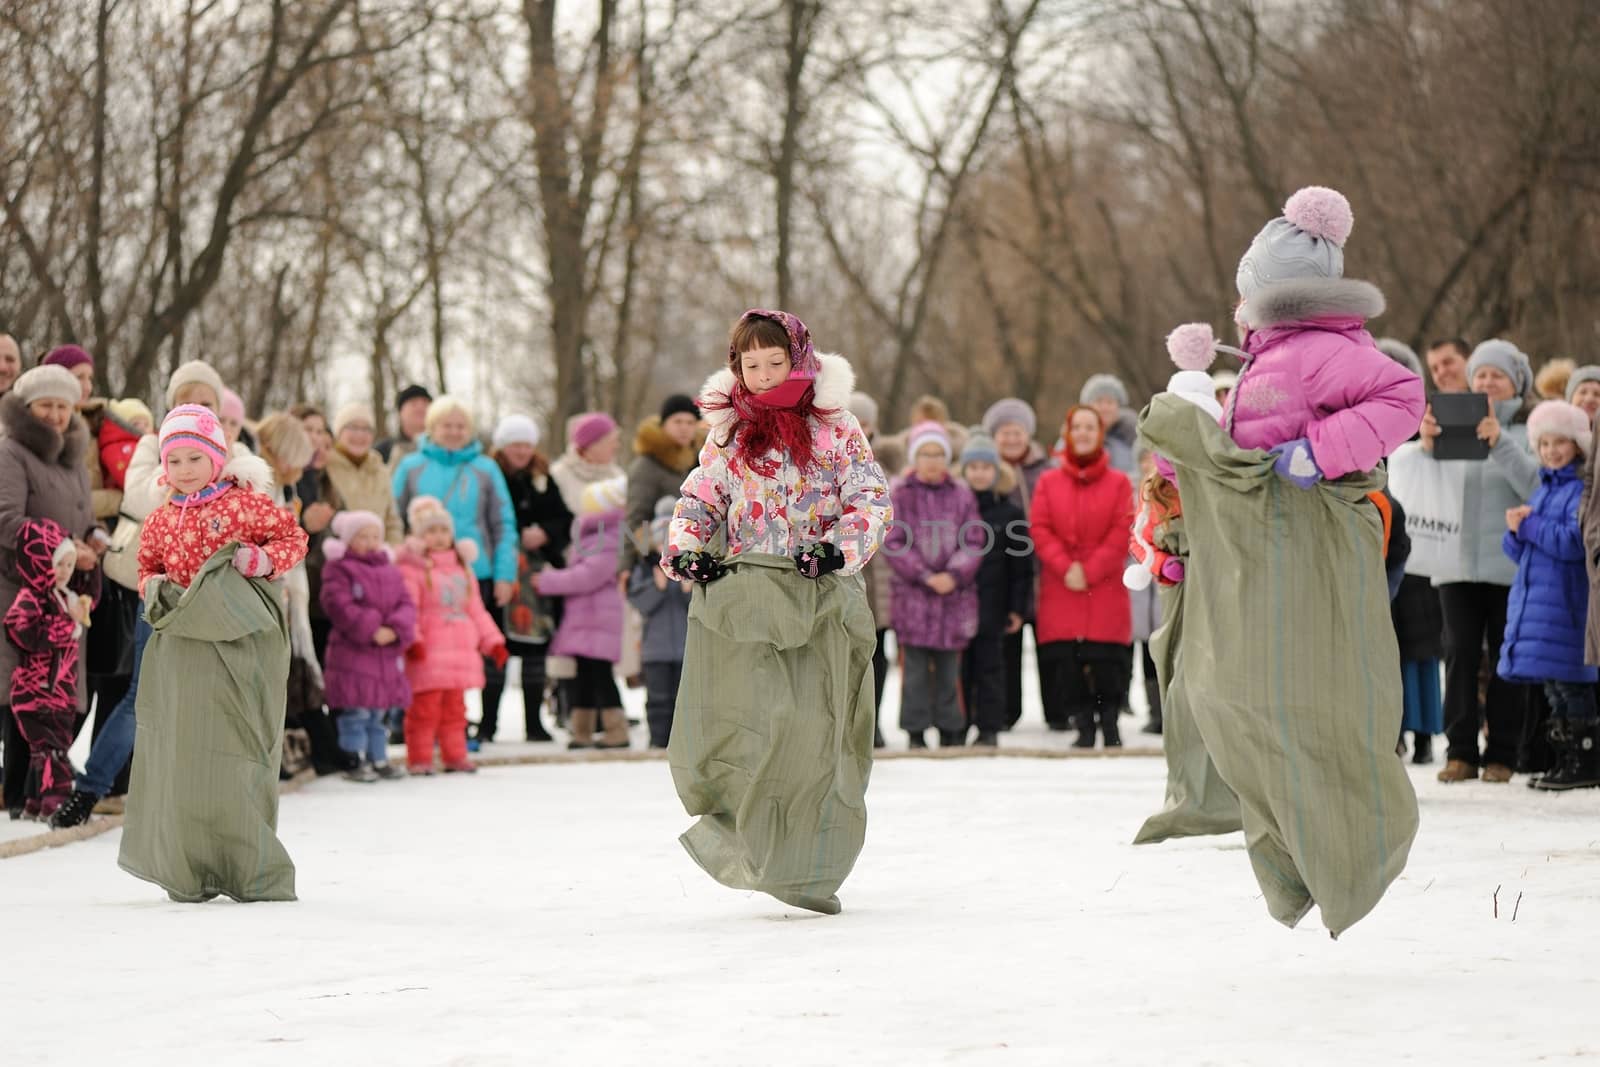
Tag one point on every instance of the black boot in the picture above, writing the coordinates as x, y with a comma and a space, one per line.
952, 738
915, 739
1421, 747
1108, 728
987, 739
1577, 758
877, 738
1556, 735
1085, 722
75, 810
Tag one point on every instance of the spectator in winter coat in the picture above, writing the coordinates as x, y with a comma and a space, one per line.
1005, 585
412, 406
1447, 365
374, 622
1583, 389
125, 422
591, 620
1545, 621
936, 547
454, 635
80, 365
1109, 398
664, 453
354, 476
1081, 517
664, 604
46, 622
544, 528
232, 414
1013, 425
593, 441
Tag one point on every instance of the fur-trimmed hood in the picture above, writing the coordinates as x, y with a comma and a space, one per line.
1310, 298
249, 472
63, 449
835, 382
653, 441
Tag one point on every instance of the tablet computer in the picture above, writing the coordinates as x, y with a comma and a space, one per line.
1458, 415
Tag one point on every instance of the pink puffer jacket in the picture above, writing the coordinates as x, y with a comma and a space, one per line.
454, 630
1314, 372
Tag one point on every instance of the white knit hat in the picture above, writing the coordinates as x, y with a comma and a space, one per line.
353, 413
1561, 419
1197, 388
48, 382
600, 497
516, 430
195, 372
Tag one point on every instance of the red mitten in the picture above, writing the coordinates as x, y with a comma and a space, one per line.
417, 652
498, 656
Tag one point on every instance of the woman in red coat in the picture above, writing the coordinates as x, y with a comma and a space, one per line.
1081, 516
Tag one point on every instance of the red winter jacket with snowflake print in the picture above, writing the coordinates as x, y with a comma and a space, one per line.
41, 626
181, 535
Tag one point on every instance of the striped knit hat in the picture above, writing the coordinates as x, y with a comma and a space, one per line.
193, 426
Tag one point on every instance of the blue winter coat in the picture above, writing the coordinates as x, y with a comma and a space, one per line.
1549, 603
474, 493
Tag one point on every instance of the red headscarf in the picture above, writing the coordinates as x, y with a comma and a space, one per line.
778, 419
1086, 467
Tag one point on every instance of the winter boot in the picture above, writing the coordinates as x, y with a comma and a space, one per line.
75, 811
1578, 758
1457, 770
534, 726
389, 771
877, 738
1556, 738
614, 721
362, 772
1421, 748
987, 739
915, 739
1108, 729
583, 722
1085, 723
952, 738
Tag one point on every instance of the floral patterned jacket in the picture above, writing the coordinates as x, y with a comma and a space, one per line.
844, 501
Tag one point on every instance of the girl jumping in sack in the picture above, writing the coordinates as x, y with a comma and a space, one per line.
774, 755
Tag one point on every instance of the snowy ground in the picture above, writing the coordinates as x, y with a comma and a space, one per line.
997, 916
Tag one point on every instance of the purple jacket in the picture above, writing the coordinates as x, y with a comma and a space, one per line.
591, 621
936, 528
361, 592
1314, 372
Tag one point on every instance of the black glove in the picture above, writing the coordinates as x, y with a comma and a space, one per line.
700, 567
816, 560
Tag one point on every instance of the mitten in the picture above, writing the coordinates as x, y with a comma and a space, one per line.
417, 652
1294, 462
252, 561
816, 560
701, 567
1172, 570
498, 656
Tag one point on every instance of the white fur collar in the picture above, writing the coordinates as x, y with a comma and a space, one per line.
251, 472
1307, 298
836, 380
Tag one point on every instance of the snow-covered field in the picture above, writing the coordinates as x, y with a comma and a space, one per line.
998, 915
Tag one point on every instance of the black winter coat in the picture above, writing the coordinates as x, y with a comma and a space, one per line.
542, 507
1005, 580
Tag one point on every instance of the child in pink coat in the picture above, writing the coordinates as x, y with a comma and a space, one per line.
454, 633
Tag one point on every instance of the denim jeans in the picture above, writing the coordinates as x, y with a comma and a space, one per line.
111, 749
365, 732
1573, 701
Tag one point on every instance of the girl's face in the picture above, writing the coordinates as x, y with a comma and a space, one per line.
367, 539
1013, 441
64, 570
1587, 397
764, 369
1083, 434
355, 440
981, 475
1493, 384
452, 431
518, 456
438, 538
197, 393
189, 470
1556, 451
317, 430
681, 428
1147, 465
54, 413
85, 375
932, 466
604, 450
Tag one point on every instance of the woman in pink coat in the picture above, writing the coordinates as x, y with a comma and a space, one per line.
591, 620
454, 633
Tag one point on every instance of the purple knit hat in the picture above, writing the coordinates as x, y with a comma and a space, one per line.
68, 356
591, 429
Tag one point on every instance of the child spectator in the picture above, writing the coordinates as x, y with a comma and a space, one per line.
373, 623
454, 634
1545, 616
935, 548
119, 437
664, 604
1005, 585
46, 622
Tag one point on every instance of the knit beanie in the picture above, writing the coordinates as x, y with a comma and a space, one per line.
1306, 241
425, 512
353, 413
679, 404
410, 393
194, 426
232, 405
1009, 411
1590, 373
1563, 420
516, 430
592, 428
446, 405
347, 524
131, 408
67, 357
195, 372
928, 433
601, 497
48, 383
1401, 353
864, 408
1506, 358
980, 448
1101, 385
